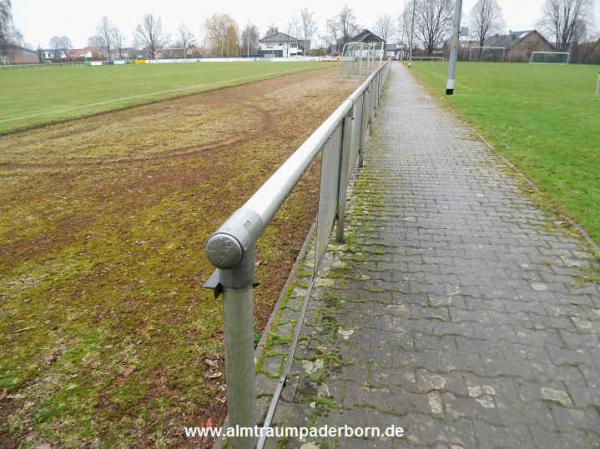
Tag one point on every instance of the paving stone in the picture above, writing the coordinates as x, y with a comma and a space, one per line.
453, 312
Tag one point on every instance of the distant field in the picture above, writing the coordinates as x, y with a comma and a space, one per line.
36, 96
544, 118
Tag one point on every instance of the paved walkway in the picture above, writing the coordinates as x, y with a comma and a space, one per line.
454, 310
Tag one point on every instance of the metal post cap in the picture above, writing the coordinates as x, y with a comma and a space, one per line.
224, 251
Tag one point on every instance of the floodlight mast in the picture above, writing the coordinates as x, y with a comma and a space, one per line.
412, 33
454, 42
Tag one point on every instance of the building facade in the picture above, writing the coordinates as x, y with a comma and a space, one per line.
519, 45
14, 54
281, 45
54, 55
367, 36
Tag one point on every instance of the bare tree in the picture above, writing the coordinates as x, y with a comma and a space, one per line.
405, 22
149, 34
432, 22
184, 38
222, 36
295, 26
250, 37
271, 29
347, 24
9, 35
332, 37
486, 19
60, 42
118, 41
384, 26
309, 25
95, 41
106, 32
342, 27
566, 21
5, 11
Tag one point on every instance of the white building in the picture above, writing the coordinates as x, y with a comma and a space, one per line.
280, 45
54, 55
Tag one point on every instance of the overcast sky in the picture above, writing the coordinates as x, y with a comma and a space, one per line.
41, 19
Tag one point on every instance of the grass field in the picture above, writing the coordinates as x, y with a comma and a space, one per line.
35, 96
543, 118
106, 335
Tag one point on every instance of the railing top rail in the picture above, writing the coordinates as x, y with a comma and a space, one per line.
226, 247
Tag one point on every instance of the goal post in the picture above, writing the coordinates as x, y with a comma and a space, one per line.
549, 57
485, 54
360, 58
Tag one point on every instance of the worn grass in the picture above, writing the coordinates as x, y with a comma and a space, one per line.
543, 118
36, 96
104, 325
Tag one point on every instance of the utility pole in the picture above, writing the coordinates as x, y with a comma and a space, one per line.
412, 33
403, 31
454, 43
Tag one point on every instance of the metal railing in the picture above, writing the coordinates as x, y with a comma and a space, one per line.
231, 249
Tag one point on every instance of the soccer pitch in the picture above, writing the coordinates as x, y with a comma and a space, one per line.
543, 118
41, 95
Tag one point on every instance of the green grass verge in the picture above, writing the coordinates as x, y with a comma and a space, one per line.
543, 118
38, 96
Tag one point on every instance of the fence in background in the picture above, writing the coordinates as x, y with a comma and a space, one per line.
428, 58
231, 249
41, 65
5, 64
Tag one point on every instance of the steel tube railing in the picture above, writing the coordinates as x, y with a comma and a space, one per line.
260, 209
231, 249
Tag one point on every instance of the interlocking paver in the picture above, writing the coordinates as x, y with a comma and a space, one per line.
453, 309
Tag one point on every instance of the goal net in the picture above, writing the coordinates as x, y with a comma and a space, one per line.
360, 58
484, 54
549, 57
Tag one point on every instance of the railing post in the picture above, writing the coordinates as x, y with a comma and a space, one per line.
345, 148
233, 253
363, 127
372, 104
377, 91
238, 331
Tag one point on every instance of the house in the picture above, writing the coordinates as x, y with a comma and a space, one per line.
280, 45
366, 36
519, 45
81, 54
53, 55
15, 54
